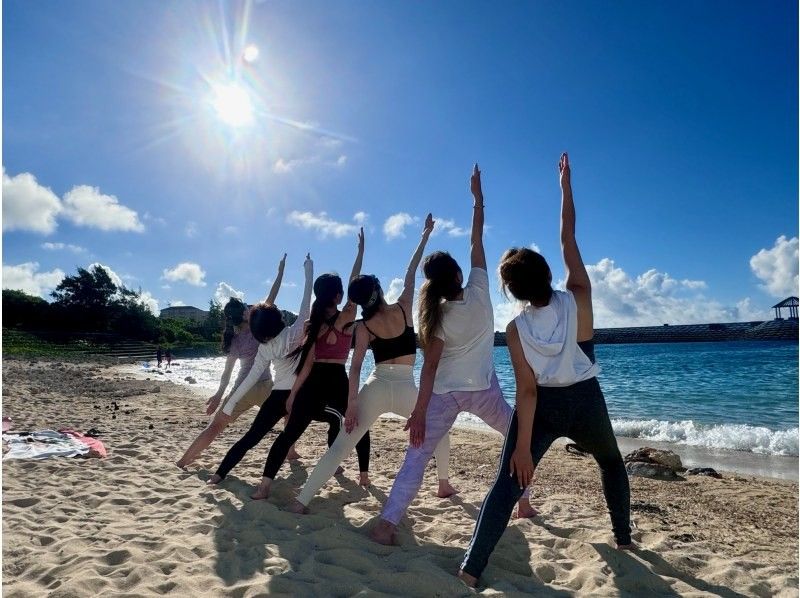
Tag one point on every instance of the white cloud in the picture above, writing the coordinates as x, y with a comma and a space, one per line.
330, 142
360, 218
445, 225
188, 272
654, 298
177, 303
394, 290
535, 247
115, 278
341, 160
27, 205
777, 267
225, 291
86, 206
282, 166
62, 246
322, 223
504, 312
148, 217
230, 230
149, 302
395, 225
26, 277
191, 229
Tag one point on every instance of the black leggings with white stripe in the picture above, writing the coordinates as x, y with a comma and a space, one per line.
323, 394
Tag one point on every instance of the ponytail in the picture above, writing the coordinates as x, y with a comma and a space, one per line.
441, 282
234, 316
326, 289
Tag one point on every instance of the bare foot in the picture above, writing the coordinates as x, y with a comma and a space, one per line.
181, 465
293, 455
364, 479
297, 508
383, 533
261, 493
445, 489
214, 480
339, 470
525, 510
470, 581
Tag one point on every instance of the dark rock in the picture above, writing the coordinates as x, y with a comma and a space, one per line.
655, 456
707, 471
654, 471
190, 380
150, 427
155, 389
646, 507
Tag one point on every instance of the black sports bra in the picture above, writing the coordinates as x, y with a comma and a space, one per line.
384, 349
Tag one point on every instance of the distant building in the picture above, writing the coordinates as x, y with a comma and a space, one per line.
184, 312
789, 303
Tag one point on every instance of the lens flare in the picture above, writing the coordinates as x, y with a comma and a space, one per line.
233, 105
250, 54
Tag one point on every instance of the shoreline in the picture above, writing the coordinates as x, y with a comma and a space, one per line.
768, 466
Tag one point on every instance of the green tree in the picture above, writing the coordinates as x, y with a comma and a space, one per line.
92, 290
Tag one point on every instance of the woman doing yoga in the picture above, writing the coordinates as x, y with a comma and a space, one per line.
278, 341
386, 329
552, 353
457, 336
237, 343
321, 386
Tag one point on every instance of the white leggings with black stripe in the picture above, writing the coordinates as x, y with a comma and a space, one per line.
389, 389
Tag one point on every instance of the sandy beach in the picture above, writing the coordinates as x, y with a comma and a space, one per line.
133, 524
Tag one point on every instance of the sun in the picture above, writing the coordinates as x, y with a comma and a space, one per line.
233, 105
250, 54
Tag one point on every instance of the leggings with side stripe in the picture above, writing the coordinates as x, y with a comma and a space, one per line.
323, 394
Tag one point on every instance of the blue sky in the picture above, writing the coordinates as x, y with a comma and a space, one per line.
680, 120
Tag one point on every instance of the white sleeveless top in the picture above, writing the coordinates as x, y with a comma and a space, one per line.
549, 337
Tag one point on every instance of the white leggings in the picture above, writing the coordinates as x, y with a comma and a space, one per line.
389, 389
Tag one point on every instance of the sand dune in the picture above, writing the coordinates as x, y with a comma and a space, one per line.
134, 525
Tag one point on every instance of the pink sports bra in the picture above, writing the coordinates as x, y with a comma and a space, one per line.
338, 350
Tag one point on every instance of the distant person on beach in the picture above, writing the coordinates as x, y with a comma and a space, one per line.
277, 343
388, 330
168, 355
321, 387
552, 353
159, 355
238, 344
457, 336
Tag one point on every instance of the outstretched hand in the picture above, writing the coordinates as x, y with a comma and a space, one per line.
211, 404
429, 222
282, 263
475, 184
563, 170
361, 240
308, 263
416, 428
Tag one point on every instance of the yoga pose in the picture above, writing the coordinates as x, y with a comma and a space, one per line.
237, 343
278, 341
457, 336
552, 352
321, 386
387, 330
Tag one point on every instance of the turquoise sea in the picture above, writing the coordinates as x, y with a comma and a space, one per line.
739, 396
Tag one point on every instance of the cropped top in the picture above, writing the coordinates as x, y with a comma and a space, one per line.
338, 350
384, 349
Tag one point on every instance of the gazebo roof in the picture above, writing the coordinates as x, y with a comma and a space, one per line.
788, 302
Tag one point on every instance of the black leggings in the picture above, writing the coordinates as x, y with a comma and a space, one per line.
578, 412
272, 410
322, 396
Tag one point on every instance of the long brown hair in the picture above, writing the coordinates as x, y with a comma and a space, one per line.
441, 282
526, 275
234, 316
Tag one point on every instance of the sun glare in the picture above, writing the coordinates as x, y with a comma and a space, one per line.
233, 105
250, 54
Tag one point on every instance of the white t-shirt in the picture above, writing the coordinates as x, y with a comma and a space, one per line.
276, 351
549, 337
468, 333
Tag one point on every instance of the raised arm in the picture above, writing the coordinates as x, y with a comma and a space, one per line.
359, 256
577, 278
407, 296
477, 254
276, 286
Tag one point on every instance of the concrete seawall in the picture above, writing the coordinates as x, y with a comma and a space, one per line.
771, 330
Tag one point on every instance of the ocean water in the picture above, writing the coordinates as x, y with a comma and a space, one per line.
740, 396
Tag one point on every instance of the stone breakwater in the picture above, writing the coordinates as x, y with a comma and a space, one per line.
771, 330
